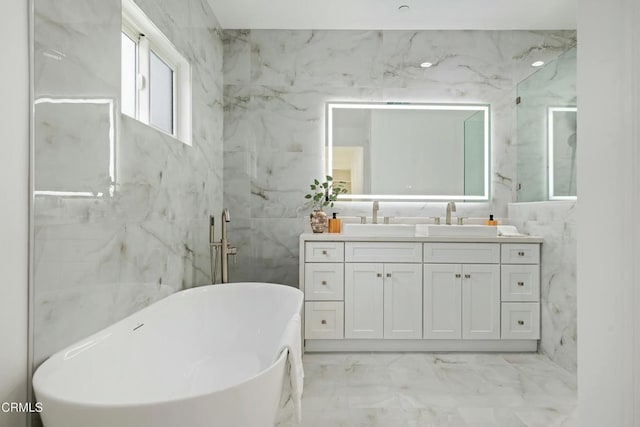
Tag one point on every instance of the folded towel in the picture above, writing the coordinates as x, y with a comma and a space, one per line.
509, 230
292, 343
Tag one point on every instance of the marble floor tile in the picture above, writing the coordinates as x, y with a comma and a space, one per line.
433, 390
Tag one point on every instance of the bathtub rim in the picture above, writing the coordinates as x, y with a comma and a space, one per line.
281, 359
59, 354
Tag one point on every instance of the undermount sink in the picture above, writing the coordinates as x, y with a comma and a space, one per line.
399, 230
471, 230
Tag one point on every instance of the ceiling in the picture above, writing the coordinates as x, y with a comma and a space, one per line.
386, 15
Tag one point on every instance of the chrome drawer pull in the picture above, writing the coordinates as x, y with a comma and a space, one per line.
520, 322
520, 283
520, 253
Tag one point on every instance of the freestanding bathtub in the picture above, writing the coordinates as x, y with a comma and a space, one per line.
207, 356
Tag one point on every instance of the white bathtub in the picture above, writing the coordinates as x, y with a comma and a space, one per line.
207, 356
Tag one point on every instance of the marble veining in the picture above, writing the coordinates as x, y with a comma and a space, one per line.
434, 390
100, 258
556, 223
276, 84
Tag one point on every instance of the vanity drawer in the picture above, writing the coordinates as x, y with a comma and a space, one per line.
324, 252
383, 252
324, 320
520, 321
520, 253
462, 253
520, 282
323, 281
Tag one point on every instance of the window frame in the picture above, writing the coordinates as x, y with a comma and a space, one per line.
148, 38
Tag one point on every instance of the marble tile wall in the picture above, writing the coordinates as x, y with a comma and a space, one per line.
97, 259
556, 222
276, 84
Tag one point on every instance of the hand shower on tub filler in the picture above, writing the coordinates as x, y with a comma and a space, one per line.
222, 249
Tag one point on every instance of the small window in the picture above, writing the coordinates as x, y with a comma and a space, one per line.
160, 94
129, 72
156, 78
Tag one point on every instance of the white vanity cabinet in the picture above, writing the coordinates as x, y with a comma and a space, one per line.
383, 300
480, 301
442, 301
520, 290
364, 300
461, 301
420, 293
402, 301
323, 290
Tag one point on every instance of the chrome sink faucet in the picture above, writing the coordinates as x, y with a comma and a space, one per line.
451, 207
376, 208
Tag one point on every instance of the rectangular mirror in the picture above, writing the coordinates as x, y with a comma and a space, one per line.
562, 140
401, 151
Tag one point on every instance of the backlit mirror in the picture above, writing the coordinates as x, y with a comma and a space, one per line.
399, 151
562, 140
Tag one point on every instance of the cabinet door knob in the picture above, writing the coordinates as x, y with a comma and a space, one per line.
324, 252
520, 253
379, 274
467, 276
388, 274
520, 322
324, 322
458, 275
324, 282
520, 283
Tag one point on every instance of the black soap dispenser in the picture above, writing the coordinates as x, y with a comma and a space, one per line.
491, 221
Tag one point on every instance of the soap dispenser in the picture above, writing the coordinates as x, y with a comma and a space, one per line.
335, 224
491, 221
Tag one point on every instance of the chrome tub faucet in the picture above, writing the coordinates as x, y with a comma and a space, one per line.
222, 248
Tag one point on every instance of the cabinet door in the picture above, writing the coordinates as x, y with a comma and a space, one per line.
442, 301
363, 296
520, 282
323, 281
480, 301
403, 301
324, 320
520, 320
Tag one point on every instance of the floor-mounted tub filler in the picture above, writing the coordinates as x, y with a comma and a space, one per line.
208, 356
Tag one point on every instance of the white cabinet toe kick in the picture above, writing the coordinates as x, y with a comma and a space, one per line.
420, 294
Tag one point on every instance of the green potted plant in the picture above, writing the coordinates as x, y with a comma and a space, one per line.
322, 194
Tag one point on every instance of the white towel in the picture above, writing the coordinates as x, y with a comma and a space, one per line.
292, 343
509, 230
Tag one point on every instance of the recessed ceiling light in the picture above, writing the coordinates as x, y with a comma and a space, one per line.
537, 64
403, 7
426, 64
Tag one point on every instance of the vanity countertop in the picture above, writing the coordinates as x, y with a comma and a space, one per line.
340, 237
